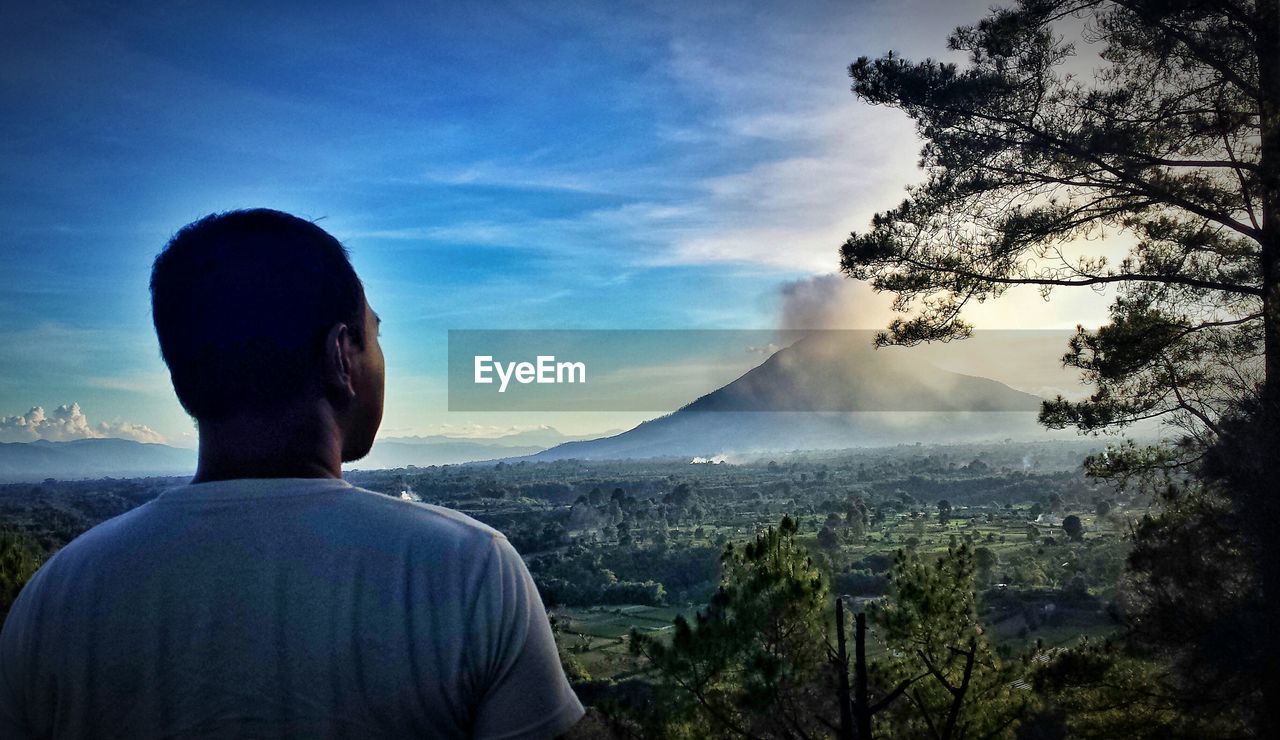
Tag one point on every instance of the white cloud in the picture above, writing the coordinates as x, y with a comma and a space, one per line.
68, 422
822, 162
795, 212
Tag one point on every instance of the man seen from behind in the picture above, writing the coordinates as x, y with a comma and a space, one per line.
269, 597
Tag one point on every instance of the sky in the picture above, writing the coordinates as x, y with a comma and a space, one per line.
682, 165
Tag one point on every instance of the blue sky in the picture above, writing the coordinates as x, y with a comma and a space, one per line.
489, 165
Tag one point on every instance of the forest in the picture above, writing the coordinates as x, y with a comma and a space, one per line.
655, 572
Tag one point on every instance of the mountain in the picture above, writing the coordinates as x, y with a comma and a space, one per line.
91, 458
122, 458
400, 454
440, 449
542, 437
838, 371
830, 390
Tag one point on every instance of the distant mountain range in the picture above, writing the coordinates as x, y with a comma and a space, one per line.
439, 449
122, 458
91, 458
543, 436
826, 391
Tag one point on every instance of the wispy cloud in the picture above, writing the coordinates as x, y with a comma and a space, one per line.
518, 176
56, 346
141, 382
464, 232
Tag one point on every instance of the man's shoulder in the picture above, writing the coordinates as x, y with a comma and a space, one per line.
103, 535
358, 513
72, 570
415, 515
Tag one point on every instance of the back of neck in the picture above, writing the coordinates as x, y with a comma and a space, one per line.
301, 441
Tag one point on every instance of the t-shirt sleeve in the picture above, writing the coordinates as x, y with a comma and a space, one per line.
524, 692
16, 641
12, 722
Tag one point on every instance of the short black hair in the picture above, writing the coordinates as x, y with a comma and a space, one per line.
242, 302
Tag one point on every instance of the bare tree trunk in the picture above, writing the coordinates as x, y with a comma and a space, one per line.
861, 699
856, 711
842, 665
1264, 501
959, 693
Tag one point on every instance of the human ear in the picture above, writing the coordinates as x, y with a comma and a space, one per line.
338, 361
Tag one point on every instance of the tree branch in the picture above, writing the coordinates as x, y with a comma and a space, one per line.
1182, 402
893, 695
1197, 50
924, 712
960, 692
1093, 280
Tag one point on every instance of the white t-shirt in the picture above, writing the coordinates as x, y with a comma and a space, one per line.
287, 607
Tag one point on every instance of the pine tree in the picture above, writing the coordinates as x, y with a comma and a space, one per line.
19, 560
754, 663
929, 623
1172, 145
